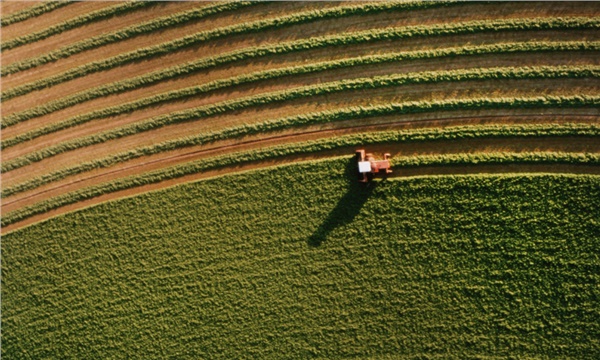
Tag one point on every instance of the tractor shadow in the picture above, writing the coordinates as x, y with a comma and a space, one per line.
347, 207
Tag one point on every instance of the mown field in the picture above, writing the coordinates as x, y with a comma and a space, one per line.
177, 181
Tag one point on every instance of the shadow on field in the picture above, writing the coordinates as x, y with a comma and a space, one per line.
347, 207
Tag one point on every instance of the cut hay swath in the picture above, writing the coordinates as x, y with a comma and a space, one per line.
105, 90
309, 147
300, 45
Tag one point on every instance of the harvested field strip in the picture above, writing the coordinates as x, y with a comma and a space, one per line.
121, 34
211, 258
98, 15
312, 147
540, 72
256, 26
410, 107
313, 43
258, 76
31, 12
565, 144
567, 130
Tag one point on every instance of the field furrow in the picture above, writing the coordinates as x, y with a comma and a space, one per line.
247, 83
307, 146
18, 11
424, 43
328, 96
192, 149
55, 37
48, 19
116, 52
208, 49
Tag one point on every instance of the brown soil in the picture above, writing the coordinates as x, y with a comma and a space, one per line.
437, 147
96, 28
212, 48
51, 18
493, 89
182, 155
8, 7
249, 14
484, 61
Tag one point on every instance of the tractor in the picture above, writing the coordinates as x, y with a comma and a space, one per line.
368, 167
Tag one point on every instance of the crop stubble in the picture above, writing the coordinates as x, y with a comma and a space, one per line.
227, 45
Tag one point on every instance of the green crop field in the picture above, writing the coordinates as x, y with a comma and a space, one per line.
179, 180
303, 262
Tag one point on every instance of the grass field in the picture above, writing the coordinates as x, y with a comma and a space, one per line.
177, 181
303, 262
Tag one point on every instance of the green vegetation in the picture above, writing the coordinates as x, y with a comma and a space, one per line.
32, 11
119, 35
302, 262
245, 28
313, 147
70, 24
122, 86
301, 45
489, 131
334, 115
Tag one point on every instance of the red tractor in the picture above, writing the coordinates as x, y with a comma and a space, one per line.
368, 167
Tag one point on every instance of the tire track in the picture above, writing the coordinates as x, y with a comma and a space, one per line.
250, 144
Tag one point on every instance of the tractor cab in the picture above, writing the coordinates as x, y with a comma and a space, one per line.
368, 167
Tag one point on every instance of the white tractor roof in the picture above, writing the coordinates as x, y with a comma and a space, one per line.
364, 166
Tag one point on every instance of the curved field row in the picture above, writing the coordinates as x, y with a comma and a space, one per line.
98, 15
61, 156
125, 164
307, 16
11, 7
235, 69
308, 147
533, 72
476, 15
308, 91
452, 63
192, 12
43, 21
387, 58
313, 43
93, 29
29, 12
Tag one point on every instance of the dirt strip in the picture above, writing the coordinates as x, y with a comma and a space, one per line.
254, 88
425, 170
183, 155
228, 18
158, 9
318, 28
51, 18
8, 7
424, 92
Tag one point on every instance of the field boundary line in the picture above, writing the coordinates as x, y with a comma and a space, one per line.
280, 151
81, 97
305, 44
